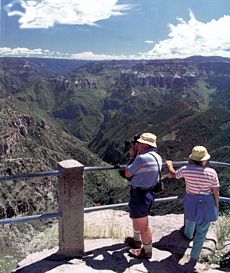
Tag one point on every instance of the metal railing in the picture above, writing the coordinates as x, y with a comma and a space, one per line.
93, 169
57, 215
89, 209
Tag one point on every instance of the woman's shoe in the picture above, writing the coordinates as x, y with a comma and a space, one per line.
132, 243
140, 253
189, 267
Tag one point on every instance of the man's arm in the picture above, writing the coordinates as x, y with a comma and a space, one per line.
216, 195
133, 153
127, 173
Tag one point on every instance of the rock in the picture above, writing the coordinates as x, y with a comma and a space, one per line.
10, 211
225, 257
23, 131
110, 255
8, 141
22, 206
158, 79
2, 152
2, 212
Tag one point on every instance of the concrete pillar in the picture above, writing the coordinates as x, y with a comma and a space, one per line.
71, 205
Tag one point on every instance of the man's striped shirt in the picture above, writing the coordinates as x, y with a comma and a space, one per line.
198, 179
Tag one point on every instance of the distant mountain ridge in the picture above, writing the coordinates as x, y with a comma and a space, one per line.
207, 59
87, 97
61, 66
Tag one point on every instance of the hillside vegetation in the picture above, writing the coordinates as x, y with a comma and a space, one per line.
32, 140
57, 109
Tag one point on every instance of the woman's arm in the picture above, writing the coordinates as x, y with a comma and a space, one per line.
216, 195
171, 168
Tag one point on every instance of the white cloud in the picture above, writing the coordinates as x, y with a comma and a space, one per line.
48, 13
45, 53
185, 39
149, 42
26, 52
194, 38
92, 56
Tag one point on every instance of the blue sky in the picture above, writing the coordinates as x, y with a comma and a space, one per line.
115, 29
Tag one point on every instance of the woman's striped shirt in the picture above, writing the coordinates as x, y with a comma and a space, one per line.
198, 179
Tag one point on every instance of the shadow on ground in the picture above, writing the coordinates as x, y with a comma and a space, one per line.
167, 253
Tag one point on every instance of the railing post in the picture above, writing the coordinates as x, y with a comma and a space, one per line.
71, 206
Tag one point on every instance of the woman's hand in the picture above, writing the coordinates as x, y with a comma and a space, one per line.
169, 163
216, 195
170, 167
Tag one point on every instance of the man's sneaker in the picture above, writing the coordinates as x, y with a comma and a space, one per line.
140, 253
132, 243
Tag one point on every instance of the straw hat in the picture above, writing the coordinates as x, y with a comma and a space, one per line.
148, 138
199, 153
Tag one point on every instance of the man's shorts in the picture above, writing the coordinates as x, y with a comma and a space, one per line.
140, 202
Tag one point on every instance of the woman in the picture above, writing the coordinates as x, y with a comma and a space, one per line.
201, 201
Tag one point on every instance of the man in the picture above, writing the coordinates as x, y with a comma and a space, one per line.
201, 201
144, 172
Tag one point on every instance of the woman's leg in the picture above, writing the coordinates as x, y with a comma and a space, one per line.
198, 241
189, 229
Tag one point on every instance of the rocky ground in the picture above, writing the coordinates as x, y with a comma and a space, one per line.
109, 254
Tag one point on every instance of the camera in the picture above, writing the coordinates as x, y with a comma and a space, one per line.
130, 143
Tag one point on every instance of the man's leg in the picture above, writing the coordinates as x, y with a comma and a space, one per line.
146, 234
135, 241
141, 206
141, 224
136, 235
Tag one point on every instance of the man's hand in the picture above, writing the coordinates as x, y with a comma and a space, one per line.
128, 174
133, 151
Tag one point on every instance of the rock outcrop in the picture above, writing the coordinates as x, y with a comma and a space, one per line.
19, 127
158, 79
170, 248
